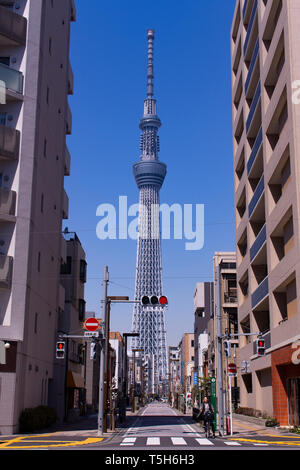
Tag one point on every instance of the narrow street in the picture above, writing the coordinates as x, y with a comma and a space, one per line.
160, 427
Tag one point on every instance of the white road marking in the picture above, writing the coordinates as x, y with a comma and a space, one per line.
178, 441
128, 441
204, 442
232, 443
153, 441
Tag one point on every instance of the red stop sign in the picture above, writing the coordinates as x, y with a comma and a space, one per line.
232, 368
91, 324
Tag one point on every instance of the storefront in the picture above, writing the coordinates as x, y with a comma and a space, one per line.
286, 384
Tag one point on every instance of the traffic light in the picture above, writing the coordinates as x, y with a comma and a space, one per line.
154, 300
260, 347
60, 350
227, 348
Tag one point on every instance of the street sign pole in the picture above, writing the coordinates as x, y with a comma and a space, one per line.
101, 426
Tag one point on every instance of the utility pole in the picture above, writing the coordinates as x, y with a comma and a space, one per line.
102, 425
219, 353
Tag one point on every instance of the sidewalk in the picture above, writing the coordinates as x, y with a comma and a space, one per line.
249, 425
86, 426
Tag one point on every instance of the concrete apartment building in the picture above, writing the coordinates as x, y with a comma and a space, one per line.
265, 44
68, 385
35, 118
187, 361
225, 308
203, 311
174, 373
117, 344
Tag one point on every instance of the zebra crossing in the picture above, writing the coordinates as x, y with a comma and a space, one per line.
181, 442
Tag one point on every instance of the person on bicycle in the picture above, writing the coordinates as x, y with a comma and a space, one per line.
207, 413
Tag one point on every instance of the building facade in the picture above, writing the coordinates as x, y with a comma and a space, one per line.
266, 119
225, 312
187, 362
68, 388
36, 75
203, 312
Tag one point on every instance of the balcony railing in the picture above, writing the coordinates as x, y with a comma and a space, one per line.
12, 27
6, 268
260, 293
252, 65
255, 150
253, 107
13, 79
257, 195
250, 25
230, 298
7, 202
259, 243
9, 142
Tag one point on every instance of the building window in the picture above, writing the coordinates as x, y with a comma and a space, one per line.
192, 343
82, 274
35, 323
66, 268
81, 309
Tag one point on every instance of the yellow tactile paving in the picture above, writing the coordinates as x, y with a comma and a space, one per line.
260, 441
9, 444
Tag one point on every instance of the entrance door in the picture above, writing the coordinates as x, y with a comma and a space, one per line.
294, 401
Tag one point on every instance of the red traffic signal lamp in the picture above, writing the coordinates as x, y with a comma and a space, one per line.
154, 300
260, 347
60, 350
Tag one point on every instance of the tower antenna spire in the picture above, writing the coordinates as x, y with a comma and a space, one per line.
150, 72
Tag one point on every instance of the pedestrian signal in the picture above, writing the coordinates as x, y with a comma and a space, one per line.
260, 347
60, 350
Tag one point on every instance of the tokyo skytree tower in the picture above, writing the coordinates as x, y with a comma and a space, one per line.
149, 173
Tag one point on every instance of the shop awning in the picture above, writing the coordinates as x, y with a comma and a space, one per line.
74, 380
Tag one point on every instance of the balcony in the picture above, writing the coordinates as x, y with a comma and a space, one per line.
6, 268
259, 190
65, 206
256, 147
13, 80
230, 297
13, 28
7, 202
67, 164
260, 293
252, 65
253, 107
68, 120
250, 25
9, 143
70, 80
259, 243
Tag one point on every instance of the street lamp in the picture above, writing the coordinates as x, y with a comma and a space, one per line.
133, 388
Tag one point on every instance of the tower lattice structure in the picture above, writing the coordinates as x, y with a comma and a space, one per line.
149, 174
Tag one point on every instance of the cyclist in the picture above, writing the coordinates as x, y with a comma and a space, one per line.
207, 413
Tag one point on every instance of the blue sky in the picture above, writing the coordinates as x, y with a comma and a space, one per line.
193, 92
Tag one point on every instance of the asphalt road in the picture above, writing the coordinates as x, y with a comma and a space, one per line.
160, 427
157, 428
